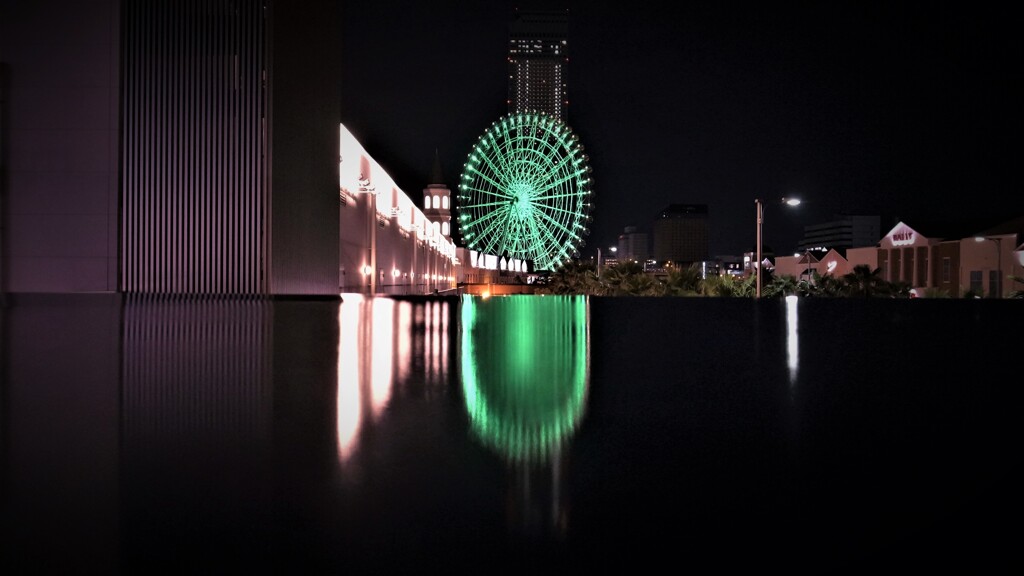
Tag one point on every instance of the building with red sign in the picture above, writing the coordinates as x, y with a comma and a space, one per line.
959, 260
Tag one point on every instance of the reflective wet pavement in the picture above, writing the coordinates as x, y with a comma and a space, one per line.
471, 435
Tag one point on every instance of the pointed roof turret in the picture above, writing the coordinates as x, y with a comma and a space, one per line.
436, 179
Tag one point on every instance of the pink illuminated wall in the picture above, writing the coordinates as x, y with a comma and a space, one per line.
384, 233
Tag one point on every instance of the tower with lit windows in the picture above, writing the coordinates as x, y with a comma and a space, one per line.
437, 202
537, 59
681, 234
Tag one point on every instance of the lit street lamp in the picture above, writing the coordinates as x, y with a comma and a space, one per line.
760, 218
999, 262
614, 249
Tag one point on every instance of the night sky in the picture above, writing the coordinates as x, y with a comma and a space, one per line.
900, 110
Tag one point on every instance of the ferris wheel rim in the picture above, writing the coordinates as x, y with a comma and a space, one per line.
525, 190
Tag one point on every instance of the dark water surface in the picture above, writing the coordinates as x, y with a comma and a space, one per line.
453, 435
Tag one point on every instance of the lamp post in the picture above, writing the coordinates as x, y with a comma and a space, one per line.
999, 262
759, 205
757, 261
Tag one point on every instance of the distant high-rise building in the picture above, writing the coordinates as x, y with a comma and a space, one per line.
846, 231
681, 234
537, 56
633, 245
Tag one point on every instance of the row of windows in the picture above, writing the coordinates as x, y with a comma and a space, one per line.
438, 202
993, 282
533, 51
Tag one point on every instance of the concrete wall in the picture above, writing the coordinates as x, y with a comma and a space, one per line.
305, 112
59, 145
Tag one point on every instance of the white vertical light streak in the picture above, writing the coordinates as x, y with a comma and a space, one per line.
349, 398
381, 344
403, 340
792, 339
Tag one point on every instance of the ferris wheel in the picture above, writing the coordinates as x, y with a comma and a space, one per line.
525, 191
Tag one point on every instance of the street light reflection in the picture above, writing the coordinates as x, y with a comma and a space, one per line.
365, 366
383, 344
792, 339
349, 413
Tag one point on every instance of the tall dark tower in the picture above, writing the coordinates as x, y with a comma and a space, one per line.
681, 234
538, 47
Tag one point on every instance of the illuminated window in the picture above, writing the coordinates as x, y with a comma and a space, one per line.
437, 202
444, 228
437, 227
444, 202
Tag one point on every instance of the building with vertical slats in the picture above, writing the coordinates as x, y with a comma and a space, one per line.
171, 147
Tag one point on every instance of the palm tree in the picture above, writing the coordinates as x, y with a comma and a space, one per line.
781, 286
895, 289
682, 281
615, 280
642, 284
576, 277
747, 288
864, 282
725, 285
1020, 292
831, 286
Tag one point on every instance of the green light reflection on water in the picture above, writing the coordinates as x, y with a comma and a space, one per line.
525, 368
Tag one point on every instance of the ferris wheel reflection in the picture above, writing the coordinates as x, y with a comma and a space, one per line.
525, 368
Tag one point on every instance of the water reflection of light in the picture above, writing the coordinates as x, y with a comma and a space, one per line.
435, 340
792, 339
525, 368
381, 346
348, 401
366, 342
379, 340
525, 372
403, 343
442, 336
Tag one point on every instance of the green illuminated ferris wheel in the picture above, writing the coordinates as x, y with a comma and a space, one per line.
526, 191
